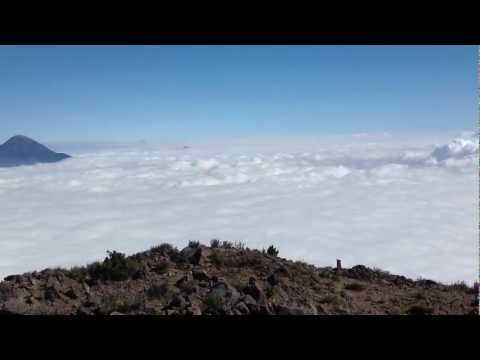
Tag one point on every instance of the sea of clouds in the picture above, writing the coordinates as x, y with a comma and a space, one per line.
404, 203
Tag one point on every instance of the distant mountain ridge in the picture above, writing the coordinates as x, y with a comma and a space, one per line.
21, 150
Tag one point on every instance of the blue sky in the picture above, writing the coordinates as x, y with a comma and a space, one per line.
127, 93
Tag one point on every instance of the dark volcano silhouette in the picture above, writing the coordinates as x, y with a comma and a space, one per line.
21, 150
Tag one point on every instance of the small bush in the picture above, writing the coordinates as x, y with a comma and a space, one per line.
194, 244
161, 267
157, 291
272, 251
240, 245
213, 304
78, 273
425, 282
115, 267
227, 245
164, 249
215, 243
355, 286
381, 272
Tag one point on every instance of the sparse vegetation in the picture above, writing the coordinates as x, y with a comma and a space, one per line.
164, 249
214, 243
123, 303
223, 259
228, 279
194, 244
381, 272
161, 267
115, 267
227, 245
462, 286
220, 259
78, 273
158, 291
213, 305
355, 286
272, 251
239, 245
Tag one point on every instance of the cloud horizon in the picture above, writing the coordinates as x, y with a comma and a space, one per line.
406, 204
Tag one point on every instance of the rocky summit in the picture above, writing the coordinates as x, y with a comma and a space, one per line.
225, 279
21, 150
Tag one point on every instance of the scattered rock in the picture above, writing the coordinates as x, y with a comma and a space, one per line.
253, 290
188, 283
225, 291
195, 255
242, 308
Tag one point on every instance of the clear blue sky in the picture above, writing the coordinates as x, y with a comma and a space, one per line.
127, 93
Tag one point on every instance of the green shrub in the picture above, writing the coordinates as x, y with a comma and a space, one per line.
213, 305
115, 267
194, 244
161, 267
158, 291
227, 245
272, 251
215, 243
164, 249
78, 273
381, 272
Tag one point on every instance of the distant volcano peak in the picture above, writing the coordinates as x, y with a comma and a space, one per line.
22, 150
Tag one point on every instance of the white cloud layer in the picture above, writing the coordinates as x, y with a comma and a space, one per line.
401, 203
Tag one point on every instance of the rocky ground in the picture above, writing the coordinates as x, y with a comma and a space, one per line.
225, 279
